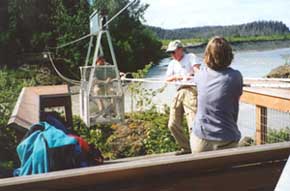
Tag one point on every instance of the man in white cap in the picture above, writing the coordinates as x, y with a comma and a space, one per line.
180, 69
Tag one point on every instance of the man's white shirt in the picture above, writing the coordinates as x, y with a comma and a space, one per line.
184, 67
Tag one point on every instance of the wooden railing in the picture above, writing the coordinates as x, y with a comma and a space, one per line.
266, 98
246, 168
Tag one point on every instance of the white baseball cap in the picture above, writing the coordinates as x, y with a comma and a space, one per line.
173, 45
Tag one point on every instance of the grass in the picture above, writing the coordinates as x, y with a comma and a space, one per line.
232, 39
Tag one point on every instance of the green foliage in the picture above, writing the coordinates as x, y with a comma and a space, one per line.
141, 95
6, 168
28, 29
158, 138
96, 135
70, 22
11, 83
127, 139
276, 136
143, 133
141, 73
6, 165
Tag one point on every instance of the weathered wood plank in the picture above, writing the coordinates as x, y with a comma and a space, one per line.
124, 173
256, 177
274, 92
278, 99
25, 112
30, 106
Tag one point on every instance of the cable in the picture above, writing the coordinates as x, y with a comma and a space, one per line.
70, 81
117, 14
72, 42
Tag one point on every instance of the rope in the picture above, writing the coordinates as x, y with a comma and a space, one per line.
269, 79
188, 83
247, 78
70, 81
157, 81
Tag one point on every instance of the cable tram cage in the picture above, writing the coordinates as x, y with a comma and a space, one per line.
101, 94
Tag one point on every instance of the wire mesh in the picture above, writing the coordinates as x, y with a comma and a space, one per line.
141, 96
101, 95
247, 120
278, 126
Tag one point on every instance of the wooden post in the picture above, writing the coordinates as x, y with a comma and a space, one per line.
68, 112
261, 125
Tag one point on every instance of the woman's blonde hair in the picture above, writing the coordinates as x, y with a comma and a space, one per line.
218, 53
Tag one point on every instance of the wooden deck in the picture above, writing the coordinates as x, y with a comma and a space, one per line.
245, 168
276, 83
274, 98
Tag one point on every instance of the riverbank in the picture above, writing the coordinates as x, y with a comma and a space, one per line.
246, 45
280, 72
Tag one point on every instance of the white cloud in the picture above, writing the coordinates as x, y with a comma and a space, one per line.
192, 13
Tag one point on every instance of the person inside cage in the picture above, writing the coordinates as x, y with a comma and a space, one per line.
219, 88
103, 86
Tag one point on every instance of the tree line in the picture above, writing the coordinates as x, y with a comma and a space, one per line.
32, 26
249, 29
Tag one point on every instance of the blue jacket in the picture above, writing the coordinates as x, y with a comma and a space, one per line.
33, 150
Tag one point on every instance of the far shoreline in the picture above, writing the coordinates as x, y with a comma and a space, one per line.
247, 46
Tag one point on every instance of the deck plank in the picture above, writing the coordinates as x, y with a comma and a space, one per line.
153, 168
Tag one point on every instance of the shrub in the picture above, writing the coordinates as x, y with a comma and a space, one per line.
276, 136
96, 135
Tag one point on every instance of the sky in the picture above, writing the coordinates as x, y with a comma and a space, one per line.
171, 14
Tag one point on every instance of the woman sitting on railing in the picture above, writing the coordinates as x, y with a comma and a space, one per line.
219, 88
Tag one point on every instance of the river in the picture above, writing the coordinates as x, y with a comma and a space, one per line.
250, 64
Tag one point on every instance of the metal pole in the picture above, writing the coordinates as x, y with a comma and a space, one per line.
89, 50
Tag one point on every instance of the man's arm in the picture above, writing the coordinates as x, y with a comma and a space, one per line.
174, 78
196, 68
